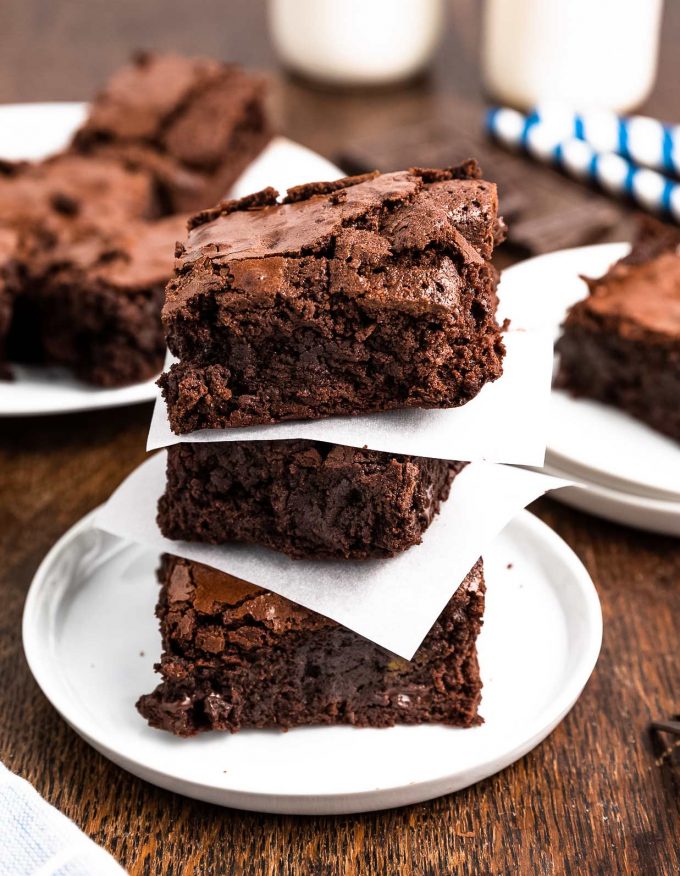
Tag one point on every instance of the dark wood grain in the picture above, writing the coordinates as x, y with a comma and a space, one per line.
598, 797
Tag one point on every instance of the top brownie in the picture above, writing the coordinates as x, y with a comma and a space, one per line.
194, 123
621, 344
366, 294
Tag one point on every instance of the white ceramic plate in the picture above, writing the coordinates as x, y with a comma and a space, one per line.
35, 130
91, 641
589, 440
641, 512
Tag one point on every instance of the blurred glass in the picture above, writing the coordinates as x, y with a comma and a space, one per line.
584, 53
356, 42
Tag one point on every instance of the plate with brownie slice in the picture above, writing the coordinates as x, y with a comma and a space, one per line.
642, 512
614, 408
91, 641
92, 202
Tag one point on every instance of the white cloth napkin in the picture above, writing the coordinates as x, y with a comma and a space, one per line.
37, 840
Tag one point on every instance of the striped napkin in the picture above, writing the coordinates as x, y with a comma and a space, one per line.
37, 840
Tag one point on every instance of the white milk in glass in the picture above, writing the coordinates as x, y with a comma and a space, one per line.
584, 53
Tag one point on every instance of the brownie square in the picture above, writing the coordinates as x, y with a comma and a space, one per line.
367, 294
621, 344
307, 499
237, 656
94, 304
194, 123
94, 251
76, 219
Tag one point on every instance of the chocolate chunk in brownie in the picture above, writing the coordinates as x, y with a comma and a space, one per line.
194, 123
237, 656
367, 294
307, 499
621, 344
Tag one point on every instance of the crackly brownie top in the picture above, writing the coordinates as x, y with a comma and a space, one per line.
210, 592
642, 291
258, 227
358, 222
137, 255
186, 106
207, 592
69, 191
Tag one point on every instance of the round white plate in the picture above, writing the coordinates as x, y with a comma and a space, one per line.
91, 640
35, 130
597, 442
641, 512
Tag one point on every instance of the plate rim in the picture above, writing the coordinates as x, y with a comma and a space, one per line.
648, 513
37, 655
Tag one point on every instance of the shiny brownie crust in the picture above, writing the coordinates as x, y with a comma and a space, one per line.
367, 294
236, 656
304, 498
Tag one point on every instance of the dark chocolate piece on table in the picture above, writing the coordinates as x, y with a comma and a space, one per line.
545, 210
236, 656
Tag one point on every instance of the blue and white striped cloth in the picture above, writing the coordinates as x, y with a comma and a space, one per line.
618, 154
37, 840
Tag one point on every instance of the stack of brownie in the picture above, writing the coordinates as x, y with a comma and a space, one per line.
87, 237
364, 295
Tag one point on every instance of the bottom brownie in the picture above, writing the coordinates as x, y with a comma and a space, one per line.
236, 656
304, 498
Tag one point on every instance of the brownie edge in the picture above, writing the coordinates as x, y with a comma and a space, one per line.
236, 656
306, 499
367, 294
621, 344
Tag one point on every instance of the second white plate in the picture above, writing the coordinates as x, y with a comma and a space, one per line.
631, 509
91, 640
587, 439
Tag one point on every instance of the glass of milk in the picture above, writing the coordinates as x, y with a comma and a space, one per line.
356, 42
583, 53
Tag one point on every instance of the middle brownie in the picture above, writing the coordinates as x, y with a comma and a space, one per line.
307, 499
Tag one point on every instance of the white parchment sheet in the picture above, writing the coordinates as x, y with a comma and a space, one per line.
506, 422
393, 602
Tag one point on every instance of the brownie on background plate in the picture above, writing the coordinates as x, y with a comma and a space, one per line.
193, 123
236, 656
367, 294
94, 305
621, 344
92, 230
307, 499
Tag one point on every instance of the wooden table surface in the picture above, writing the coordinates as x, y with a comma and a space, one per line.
597, 797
